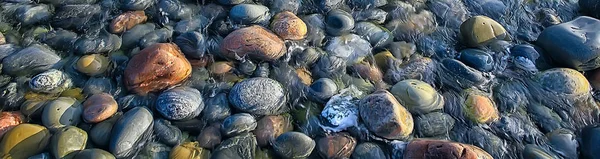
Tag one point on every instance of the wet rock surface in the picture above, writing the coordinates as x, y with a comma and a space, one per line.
299, 79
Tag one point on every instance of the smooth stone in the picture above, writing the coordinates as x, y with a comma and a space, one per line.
417, 96
339, 22
92, 65
33, 14
99, 107
308, 57
420, 68
325, 87
249, 14
465, 75
414, 27
238, 147
180, 103
101, 133
24, 140
385, 116
94, 154
376, 15
535, 152
175, 10
259, 95
68, 141
131, 38
80, 17
192, 44
61, 112
157, 36
237, 124
339, 145
294, 145
579, 47
564, 142
210, 137
143, 75
316, 29
254, 42
127, 20
270, 127
216, 108
288, 26
377, 35
286, 5
130, 131
477, 59
59, 39
167, 133
7, 50
479, 107
368, 150
9, 120
99, 85
572, 82
39, 59
52, 82
104, 42
480, 30
544, 117
427, 148
189, 150
434, 124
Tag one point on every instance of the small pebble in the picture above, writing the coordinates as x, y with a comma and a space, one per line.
288, 26
99, 107
92, 65
127, 20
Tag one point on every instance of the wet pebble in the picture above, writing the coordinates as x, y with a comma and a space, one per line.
249, 14
341, 111
376, 15
374, 110
167, 133
480, 30
479, 107
237, 124
76, 16
415, 26
99, 107
254, 42
175, 10
136, 5
189, 150
33, 14
574, 51
368, 150
24, 140
10, 120
426, 148
339, 22
210, 137
270, 127
454, 70
434, 124
180, 103
131, 130
350, 47
477, 59
571, 81
39, 59
417, 96
100, 134
92, 65
192, 44
564, 142
339, 145
127, 20
377, 35
288, 26
61, 112
216, 108
293, 145
240, 146
99, 85
167, 67
59, 39
259, 95
534, 151
68, 141
131, 37
52, 81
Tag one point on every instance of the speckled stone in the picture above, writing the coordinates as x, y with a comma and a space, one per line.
259, 95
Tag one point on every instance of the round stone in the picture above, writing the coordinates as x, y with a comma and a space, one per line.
93, 64
480, 30
99, 107
259, 95
254, 42
288, 26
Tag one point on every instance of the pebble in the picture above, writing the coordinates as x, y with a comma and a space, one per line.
385, 116
427, 148
479, 107
288, 26
92, 65
304, 75
294, 145
480, 30
339, 22
534, 151
216, 108
237, 124
270, 127
24, 140
167, 133
59, 39
166, 67
434, 124
579, 47
68, 141
104, 42
421, 69
259, 95
417, 96
127, 20
368, 71
210, 137
564, 142
341, 111
39, 59
10, 120
61, 112
52, 82
240, 146
249, 14
416, 25
99, 107
101, 133
180, 103
368, 150
136, 5
350, 47
477, 59
192, 44
189, 150
220, 68
377, 35
571, 81
131, 130
99, 85
339, 145
131, 37
254, 42
33, 14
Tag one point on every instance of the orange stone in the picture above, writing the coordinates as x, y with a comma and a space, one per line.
254, 42
288, 26
220, 68
9, 120
99, 107
434, 149
155, 68
127, 21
